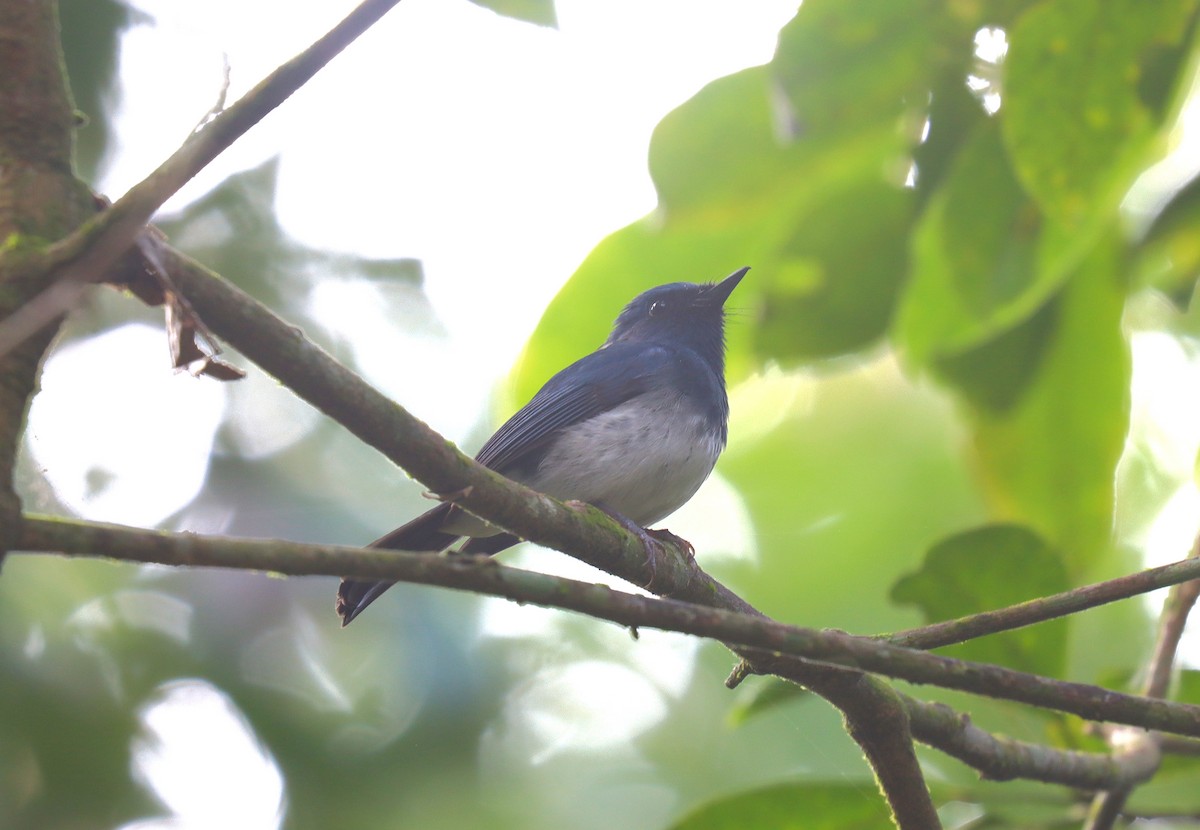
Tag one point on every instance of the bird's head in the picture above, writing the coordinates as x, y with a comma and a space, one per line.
681, 313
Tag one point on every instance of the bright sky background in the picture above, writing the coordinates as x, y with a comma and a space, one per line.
496, 152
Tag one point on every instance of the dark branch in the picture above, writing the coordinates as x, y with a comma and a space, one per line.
1002, 759
767, 643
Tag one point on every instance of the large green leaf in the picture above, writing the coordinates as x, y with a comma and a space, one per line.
794, 807
91, 35
844, 64
721, 158
954, 117
1078, 113
1189, 686
766, 696
719, 153
995, 374
1050, 461
836, 279
988, 568
983, 259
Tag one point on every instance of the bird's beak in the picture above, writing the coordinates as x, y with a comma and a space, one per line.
720, 292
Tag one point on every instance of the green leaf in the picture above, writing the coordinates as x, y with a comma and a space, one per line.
843, 65
984, 569
1076, 116
1026, 805
540, 12
720, 159
766, 695
794, 807
955, 116
837, 276
994, 375
1050, 461
91, 34
981, 262
1189, 687
719, 153
1172, 790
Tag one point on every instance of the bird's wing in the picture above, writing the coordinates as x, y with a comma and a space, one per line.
594, 384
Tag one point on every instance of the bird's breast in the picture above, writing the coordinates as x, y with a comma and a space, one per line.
643, 459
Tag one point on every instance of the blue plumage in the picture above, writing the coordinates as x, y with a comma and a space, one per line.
634, 427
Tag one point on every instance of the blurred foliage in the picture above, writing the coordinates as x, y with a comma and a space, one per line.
931, 384
793, 807
90, 33
986, 567
540, 12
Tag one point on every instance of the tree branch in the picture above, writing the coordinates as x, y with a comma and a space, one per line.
767, 642
1002, 759
40, 199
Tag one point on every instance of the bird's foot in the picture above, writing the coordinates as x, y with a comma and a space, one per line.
664, 535
652, 540
652, 544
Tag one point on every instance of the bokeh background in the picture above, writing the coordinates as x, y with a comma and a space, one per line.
963, 373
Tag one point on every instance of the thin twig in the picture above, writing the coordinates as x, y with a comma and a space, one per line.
951, 632
1180, 602
1108, 806
1039, 610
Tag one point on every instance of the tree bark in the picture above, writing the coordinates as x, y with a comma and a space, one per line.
40, 201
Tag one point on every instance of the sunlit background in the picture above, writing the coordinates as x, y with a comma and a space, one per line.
415, 208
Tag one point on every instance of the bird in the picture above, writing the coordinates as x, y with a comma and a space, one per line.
634, 428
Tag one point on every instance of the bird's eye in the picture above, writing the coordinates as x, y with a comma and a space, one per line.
657, 308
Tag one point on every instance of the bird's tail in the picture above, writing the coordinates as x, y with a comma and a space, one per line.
422, 534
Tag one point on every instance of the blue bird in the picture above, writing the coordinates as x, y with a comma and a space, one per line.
633, 428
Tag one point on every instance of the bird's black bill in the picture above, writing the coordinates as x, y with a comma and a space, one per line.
721, 291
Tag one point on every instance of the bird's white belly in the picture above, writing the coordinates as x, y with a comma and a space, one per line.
643, 459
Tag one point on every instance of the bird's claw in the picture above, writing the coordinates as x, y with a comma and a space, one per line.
652, 544
664, 535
